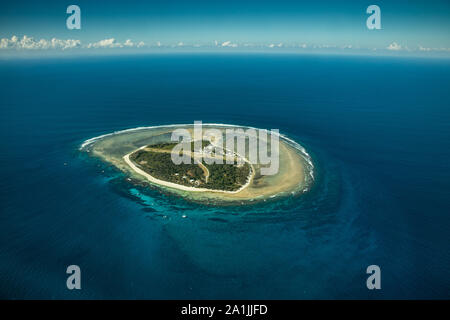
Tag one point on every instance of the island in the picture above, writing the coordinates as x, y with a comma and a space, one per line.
154, 162
214, 170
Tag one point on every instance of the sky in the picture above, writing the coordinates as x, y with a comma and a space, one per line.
406, 26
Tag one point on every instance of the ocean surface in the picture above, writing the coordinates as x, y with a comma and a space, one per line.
377, 129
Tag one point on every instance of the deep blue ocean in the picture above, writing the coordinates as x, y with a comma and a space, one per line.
377, 128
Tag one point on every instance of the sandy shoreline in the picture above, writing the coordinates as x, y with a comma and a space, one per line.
152, 179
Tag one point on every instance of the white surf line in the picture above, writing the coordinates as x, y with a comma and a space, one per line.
306, 156
126, 158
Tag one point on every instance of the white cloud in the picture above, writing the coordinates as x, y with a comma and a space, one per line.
272, 45
394, 46
106, 43
128, 43
329, 46
433, 49
30, 43
229, 44
65, 44
424, 49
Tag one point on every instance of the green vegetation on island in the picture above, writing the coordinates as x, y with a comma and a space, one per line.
228, 177
156, 160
